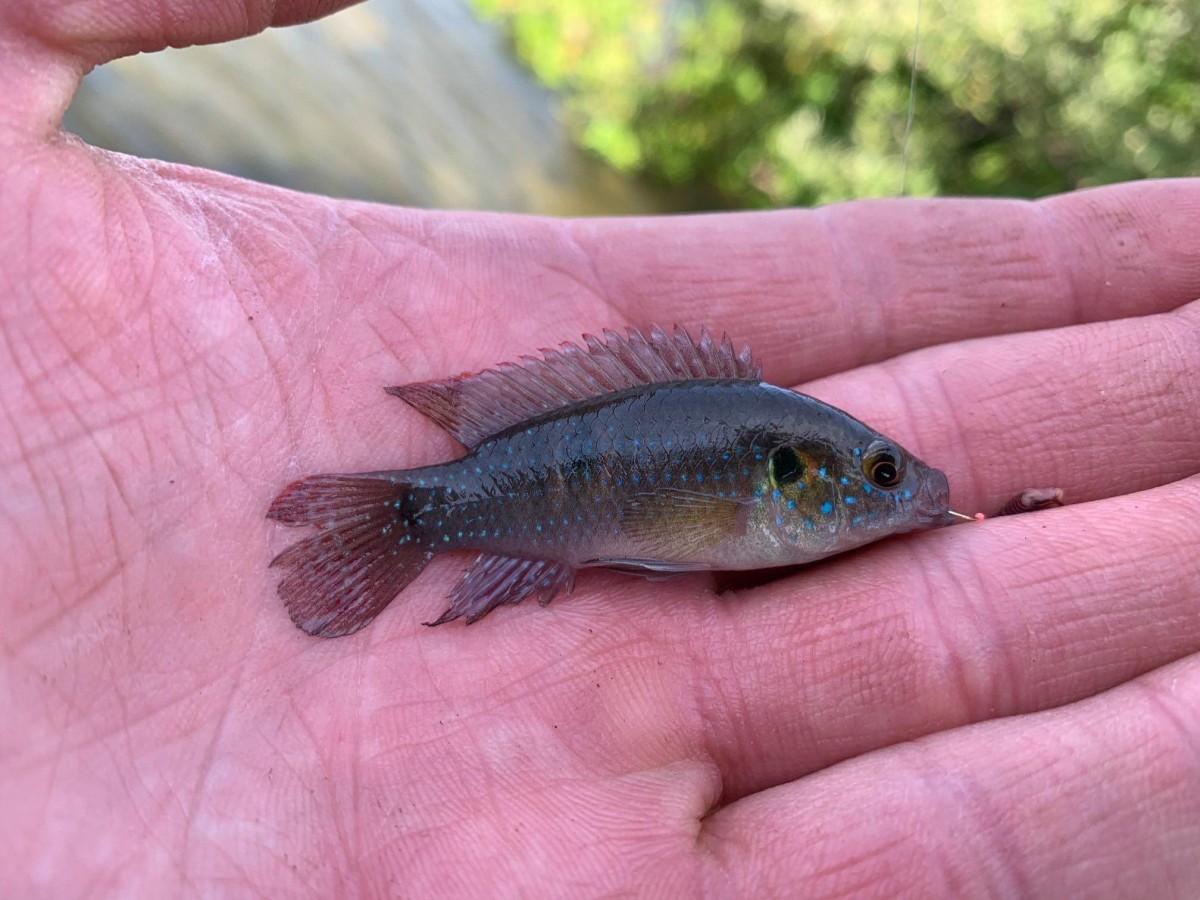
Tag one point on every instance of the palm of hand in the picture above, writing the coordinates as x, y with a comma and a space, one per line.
178, 345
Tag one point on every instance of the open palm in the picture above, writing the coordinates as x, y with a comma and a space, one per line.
1011, 708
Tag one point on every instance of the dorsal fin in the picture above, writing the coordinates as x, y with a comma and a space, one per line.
473, 407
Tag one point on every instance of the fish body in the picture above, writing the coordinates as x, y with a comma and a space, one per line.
646, 454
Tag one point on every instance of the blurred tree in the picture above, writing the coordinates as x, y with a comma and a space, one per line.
778, 102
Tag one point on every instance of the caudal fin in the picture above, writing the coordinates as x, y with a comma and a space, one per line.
364, 554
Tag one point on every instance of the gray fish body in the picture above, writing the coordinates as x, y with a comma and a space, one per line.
647, 453
567, 485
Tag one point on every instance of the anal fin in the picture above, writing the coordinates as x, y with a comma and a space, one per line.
495, 580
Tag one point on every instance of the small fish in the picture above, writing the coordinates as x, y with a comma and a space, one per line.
648, 453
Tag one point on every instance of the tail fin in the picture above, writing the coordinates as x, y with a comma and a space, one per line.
365, 553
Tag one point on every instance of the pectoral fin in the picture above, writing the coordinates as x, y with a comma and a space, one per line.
676, 527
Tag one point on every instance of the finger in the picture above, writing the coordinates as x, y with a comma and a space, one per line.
969, 623
96, 31
46, 47
1094, 800
1097, 410
472, 291
465, 292
823, 290
1105, 409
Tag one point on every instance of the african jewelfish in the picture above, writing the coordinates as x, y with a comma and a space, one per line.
649, 453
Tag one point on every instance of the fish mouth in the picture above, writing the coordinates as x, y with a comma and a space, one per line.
933, 500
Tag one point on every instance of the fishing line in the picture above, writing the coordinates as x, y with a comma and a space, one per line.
912, 100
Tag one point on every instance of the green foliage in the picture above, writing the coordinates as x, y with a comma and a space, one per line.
778, 102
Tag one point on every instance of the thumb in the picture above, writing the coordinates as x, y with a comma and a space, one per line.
47, 46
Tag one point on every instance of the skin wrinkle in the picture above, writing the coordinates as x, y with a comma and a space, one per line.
988, 822
707, 695
1164, 703
870, 329
204, 770
96, 735
1003, 688
598, 289
954, 664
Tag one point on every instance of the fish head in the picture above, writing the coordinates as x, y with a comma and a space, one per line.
828, 496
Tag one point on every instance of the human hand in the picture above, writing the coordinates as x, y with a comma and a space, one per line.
995, 709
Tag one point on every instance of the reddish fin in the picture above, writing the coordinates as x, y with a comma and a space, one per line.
495, 580
342, 577
474, 407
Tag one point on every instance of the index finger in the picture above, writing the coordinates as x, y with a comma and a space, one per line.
820, 291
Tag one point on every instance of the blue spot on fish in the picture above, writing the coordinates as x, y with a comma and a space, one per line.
844, 480
826, 507
851, 500
867, 488
776, 494
791, 504
907, 494
856, 451
821, 471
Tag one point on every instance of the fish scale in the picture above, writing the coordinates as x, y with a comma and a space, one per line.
570, 475
647, 453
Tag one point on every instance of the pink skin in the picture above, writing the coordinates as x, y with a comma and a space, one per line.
995, 709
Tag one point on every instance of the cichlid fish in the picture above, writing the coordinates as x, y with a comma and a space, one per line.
645, 453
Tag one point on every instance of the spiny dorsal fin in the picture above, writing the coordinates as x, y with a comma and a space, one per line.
473, 407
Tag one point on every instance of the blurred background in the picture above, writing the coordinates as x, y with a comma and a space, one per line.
579, 107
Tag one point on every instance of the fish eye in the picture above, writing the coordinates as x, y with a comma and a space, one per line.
785, 466
883, 466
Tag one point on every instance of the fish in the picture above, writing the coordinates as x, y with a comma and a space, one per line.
643, 452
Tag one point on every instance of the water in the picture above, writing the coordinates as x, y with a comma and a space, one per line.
414, 102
